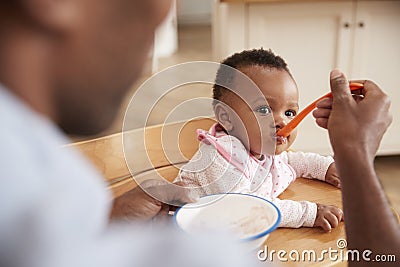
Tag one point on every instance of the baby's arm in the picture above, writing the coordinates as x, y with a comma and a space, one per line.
295, 214
309, 165
209, 173
312, 165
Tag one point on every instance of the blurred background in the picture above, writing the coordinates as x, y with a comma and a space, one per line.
362, 38
184, 36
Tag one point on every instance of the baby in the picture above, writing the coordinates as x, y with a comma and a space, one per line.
234, 157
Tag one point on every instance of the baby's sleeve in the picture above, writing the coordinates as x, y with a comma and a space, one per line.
309, 165
295, 214
209, 173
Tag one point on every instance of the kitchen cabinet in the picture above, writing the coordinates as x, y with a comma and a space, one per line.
362, 38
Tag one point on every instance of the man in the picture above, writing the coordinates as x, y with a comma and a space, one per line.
69, 63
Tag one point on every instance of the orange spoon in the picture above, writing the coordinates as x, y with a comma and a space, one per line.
286, 130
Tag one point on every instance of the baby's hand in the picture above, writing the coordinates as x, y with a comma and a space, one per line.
328, 217
332, 177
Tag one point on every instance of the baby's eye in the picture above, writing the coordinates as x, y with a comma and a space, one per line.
290, 113
264, 110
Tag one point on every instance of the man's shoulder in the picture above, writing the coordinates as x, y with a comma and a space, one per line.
27, 157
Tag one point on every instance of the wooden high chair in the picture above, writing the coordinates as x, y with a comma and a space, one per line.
155, 150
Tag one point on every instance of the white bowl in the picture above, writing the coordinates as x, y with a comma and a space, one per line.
248, 218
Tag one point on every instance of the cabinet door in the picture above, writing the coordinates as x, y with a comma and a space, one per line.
229, 20
313, 38
377, 57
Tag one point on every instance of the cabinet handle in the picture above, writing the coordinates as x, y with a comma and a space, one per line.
361, 24
346, 25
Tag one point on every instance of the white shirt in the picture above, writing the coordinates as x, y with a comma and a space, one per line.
54, 207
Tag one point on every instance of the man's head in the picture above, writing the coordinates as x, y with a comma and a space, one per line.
88, 52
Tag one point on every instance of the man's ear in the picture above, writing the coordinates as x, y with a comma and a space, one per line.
52, 15
223, 115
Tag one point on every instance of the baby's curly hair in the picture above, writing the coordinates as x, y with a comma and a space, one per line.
254, 57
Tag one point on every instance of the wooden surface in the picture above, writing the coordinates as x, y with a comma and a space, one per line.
309, 238
279, 1
285, 238
145, 148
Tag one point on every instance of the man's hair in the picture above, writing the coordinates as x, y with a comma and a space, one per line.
255, 57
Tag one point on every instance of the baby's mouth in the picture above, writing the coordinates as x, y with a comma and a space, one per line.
280, 139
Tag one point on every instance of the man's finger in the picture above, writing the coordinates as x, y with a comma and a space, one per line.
324, 103
183, 195
321, 113
340, 87
172, 194
322, 122
162, 218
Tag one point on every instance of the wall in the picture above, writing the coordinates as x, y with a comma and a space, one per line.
194, 11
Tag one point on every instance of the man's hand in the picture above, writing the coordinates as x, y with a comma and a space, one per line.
152, 199
354, 125
355, 130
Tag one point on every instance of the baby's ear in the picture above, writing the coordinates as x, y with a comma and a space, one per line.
223, 115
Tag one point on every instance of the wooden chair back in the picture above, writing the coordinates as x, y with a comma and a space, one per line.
154, 150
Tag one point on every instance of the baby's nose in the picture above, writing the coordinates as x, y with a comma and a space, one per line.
280, 123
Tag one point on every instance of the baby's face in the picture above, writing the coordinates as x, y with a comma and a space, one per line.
281, 94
